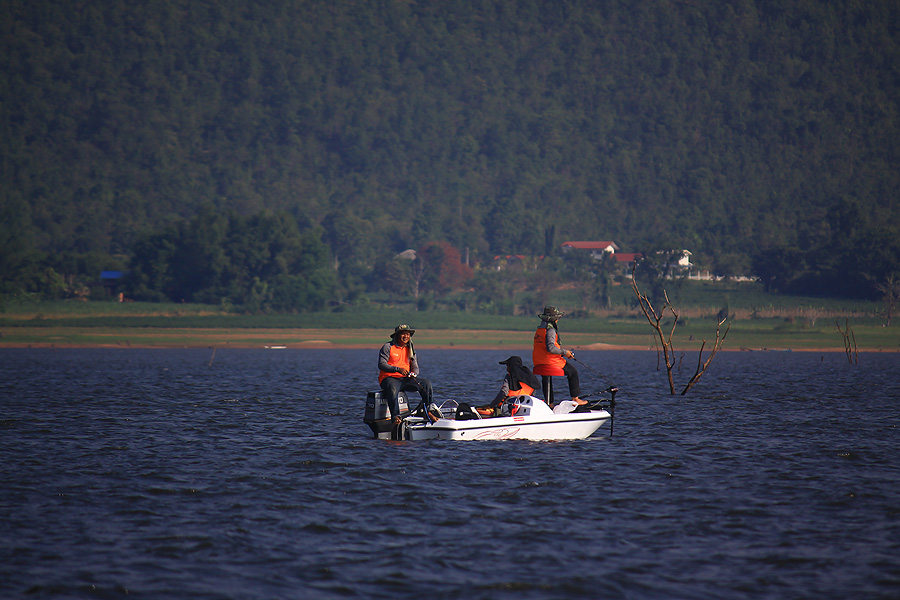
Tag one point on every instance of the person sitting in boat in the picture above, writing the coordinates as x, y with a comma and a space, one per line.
519, 381
398, 370
547, 353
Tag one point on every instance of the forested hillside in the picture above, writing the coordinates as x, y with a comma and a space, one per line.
759, 134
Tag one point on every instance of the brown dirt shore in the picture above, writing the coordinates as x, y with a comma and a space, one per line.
512, 341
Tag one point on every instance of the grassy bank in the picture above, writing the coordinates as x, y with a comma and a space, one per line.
105, 324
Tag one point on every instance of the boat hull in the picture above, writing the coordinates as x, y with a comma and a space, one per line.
571, 426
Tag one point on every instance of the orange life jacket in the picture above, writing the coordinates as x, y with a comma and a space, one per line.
540, 355
399, 358
523, 387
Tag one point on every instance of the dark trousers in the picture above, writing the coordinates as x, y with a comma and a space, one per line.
391, 386
571, 374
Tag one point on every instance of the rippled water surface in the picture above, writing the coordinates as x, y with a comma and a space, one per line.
249, 474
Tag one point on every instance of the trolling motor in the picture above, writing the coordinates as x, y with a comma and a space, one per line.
612, 407
602, 403
612, 389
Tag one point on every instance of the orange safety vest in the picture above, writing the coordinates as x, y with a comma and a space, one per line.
524, 388
539, 354
399, 358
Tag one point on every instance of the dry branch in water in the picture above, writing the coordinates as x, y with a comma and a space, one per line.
850, 347
702, 366
655, 317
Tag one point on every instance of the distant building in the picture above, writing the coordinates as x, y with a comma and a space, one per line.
684, 261
508, 261
597, 249
670, 264
627, 259
677, 262
111, 280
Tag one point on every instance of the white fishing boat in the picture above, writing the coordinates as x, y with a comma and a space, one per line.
530, 418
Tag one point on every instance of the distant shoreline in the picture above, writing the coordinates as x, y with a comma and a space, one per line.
359, 339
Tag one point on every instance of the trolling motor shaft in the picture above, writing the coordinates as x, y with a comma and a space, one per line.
612, 394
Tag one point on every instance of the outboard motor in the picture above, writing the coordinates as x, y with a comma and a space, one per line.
378, 416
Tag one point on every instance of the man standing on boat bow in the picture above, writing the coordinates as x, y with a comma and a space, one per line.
398, 370
549, 357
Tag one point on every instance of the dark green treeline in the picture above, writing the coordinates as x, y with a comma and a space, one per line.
742, 130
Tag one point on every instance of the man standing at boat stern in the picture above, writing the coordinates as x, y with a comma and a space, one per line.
549, 357
398, 370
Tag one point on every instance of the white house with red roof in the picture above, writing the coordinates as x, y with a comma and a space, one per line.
597, 249
628, 259
600, 249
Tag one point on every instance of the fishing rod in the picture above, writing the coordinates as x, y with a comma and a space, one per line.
611, 401
595, 371
612, 389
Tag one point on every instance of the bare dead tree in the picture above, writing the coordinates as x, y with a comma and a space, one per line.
850, 347
656, 343
701, 365
655, 318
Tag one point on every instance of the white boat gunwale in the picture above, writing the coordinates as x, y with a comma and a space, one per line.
532, 419
495, 422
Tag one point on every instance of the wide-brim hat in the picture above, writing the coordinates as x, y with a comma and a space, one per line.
404, 328
551, 313
515, 361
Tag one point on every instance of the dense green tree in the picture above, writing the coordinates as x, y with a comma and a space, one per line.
594, 276
777, 267
846, 254
728, 127
152, 262
263, 262
351, 241
440, 268
16, 248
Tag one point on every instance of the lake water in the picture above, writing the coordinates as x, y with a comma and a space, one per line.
155, 474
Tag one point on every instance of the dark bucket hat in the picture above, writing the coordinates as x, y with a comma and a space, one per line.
404, 329
551, 313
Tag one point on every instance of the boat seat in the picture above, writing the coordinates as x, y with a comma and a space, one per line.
548, 370
547, 373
